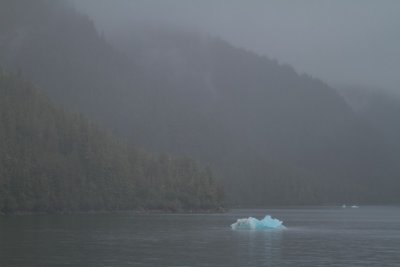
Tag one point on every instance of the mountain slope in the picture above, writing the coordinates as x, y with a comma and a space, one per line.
273, 135
52, 161
252, 111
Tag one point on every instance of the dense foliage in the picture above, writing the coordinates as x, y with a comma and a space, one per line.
52, 161
274, 136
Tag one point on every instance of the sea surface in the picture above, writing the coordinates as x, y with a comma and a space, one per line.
315, 236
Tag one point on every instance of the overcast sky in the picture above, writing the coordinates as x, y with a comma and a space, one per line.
340, 41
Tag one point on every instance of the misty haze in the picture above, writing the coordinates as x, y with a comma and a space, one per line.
199, 133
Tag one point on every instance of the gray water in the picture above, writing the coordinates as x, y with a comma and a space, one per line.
324, 236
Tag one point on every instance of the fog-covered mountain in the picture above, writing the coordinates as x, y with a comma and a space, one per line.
267, 115
380, 109
52, 161
273, 135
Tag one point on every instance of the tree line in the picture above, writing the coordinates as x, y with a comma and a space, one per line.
55, 161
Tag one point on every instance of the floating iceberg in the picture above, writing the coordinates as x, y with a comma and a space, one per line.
254, 224
353, 207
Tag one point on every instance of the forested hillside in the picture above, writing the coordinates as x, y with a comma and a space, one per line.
279, 136
53, 161
273, 135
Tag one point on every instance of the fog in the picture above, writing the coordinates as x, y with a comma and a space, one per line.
341, 42
280, 116
259, 132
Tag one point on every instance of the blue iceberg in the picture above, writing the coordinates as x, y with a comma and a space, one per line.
251, 223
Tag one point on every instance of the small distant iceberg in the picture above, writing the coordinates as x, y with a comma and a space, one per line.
251, 223
353, 206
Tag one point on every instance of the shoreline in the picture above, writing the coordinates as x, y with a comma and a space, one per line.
132, 211
219, 210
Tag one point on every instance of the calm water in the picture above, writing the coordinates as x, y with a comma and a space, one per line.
368, 236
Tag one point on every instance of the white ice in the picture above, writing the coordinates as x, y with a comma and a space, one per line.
254, 224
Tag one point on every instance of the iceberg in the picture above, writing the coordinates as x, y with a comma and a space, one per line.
251, 223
